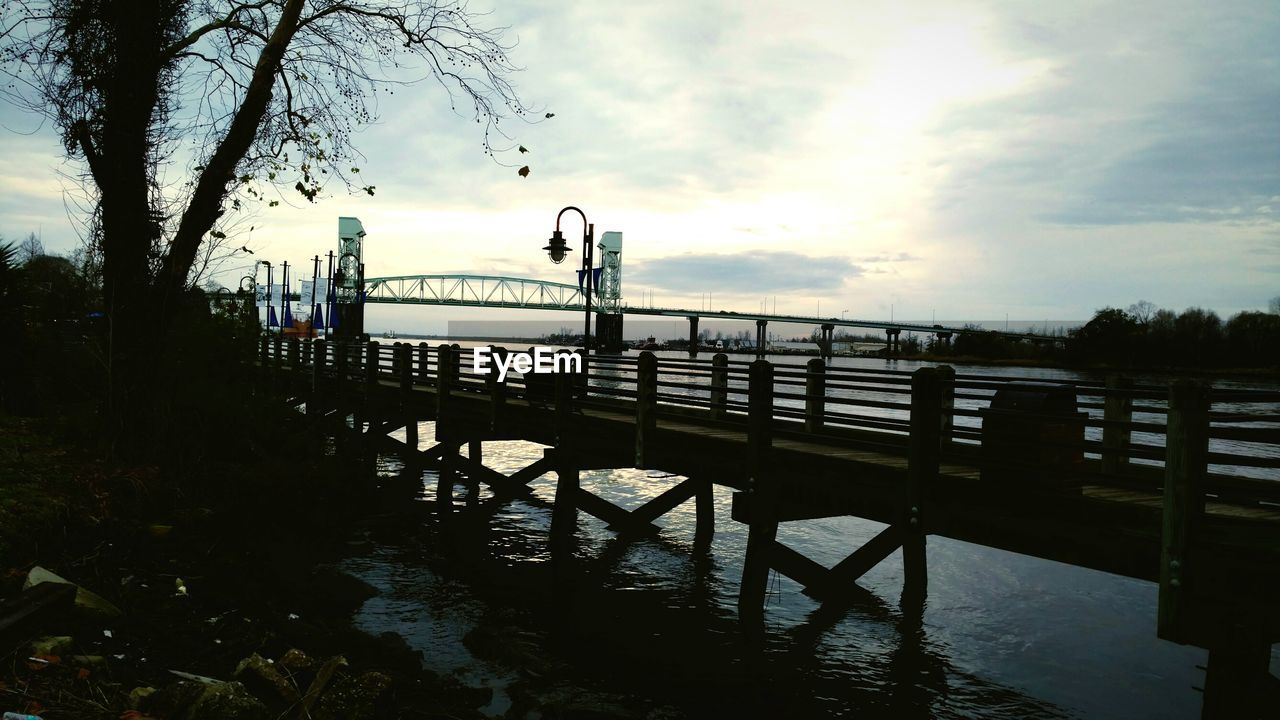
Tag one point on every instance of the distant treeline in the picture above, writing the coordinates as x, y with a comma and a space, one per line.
1144, 336
1150, 337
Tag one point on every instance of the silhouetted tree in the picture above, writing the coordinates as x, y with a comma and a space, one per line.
250, 95
1109, 337
1198, 336
1253, 338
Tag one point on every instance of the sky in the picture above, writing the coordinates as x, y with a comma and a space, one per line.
925, 160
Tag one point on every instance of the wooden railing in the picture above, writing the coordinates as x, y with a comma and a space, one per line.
1124, 437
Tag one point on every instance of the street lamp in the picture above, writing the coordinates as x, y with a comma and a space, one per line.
557, 249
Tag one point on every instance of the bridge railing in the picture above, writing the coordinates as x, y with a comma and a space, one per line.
1117, 435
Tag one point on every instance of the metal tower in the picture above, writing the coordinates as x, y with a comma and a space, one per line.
348, 277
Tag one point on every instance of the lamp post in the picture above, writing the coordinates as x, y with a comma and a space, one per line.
557, 249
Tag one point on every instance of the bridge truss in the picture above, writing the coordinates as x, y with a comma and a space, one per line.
473, 291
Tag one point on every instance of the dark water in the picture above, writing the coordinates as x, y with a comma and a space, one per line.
1000, 634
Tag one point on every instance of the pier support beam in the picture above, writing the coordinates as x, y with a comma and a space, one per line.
763, 492
762, 337
693, 336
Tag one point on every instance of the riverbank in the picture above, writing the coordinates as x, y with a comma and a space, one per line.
240, 585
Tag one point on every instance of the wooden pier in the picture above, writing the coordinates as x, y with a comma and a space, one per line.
1004, 463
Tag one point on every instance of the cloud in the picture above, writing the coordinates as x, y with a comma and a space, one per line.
744, 272
890, 257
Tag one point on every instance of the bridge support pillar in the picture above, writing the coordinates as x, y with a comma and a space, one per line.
762, 337
693, 336
944, 340
828, 339
891, 341
609, 333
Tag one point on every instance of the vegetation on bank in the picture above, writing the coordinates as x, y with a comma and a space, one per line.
1141, 336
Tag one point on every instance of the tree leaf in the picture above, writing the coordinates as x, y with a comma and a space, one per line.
218, 234
524, 149
550, 115
524, 171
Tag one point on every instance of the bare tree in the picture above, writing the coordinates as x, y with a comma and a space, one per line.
1274, 305
248, 96
30, 248
1143, 311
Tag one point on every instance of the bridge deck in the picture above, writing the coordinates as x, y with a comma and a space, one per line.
1085, 516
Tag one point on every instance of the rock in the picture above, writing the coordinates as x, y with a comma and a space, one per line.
171, 701
227, 701
296, 661
94, 662
139, 696
52, 645
264, 680
85, 599
353, 698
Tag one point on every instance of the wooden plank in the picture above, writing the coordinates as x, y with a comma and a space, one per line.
868, 556
617, 517
803, 570
665, 502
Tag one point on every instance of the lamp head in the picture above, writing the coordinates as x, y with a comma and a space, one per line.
556, 247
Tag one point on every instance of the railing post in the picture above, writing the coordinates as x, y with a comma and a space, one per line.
719, 386
445, 362
815, 392
372, 359
1117, 408
563, 399
444, 384
319, 351
264, 352
646, 406
424, 364
924, 448
295, 353
497, 393
763, 493
307, 351
1186, 468
404, 371
947, 423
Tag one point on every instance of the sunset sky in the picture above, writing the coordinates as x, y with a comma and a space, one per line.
959, 160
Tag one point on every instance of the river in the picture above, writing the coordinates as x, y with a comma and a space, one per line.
1002, 635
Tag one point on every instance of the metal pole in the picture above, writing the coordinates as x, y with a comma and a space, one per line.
315, 277
589, 238
284, 292
328, 296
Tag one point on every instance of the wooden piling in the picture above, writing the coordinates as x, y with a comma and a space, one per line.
923, 460
319, 357
947, 421
646, 407
719, 386
764, 494
424, 364
404, 368
497, 395
815, 391
1115, 438
705, 529
1186, 468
